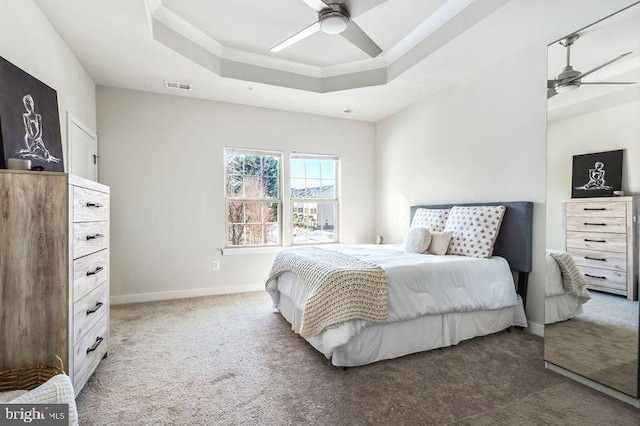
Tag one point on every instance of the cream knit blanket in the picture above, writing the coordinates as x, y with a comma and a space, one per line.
339, 287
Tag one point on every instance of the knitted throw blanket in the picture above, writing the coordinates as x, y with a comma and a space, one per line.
339, 287
572, 279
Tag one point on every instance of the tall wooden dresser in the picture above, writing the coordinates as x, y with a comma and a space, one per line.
602, 238
54, 271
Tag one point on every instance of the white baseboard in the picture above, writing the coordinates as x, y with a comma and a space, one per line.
535, 328
182, 294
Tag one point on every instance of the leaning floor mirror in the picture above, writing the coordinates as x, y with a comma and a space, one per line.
593, 200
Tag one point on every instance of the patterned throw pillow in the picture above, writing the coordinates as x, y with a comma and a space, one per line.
417, 240
432, 219
572, 278
474, 229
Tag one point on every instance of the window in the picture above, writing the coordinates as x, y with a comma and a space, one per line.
253, 200
314, 198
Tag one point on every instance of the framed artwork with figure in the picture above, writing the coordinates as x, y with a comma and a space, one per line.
29, 120
597, 174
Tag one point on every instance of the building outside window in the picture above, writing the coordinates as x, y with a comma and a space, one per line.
314, 198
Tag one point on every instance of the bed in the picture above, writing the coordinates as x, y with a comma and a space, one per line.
560, 305
433, 301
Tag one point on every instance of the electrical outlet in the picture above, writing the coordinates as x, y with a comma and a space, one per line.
216, 265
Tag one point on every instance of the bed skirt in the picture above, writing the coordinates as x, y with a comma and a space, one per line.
561, 307
387, 341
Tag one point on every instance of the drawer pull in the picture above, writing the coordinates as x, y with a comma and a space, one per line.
94, 236
595, 258
95, 345
594, 208
595, 241
96, 205
95, 271
595, 276
595, 224
95, 308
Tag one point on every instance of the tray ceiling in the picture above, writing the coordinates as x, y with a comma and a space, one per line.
427, 47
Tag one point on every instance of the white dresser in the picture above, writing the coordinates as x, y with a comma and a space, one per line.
90, 276
602, 238
54, 271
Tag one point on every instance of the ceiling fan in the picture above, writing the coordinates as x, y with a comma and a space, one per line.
569, 79
335, 17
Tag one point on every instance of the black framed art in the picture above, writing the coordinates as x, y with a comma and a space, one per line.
596, 175
29, 120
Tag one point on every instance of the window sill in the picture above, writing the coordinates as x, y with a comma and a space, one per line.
230, 251
233, 251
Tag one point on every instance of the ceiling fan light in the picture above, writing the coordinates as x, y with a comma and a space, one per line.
334, 23
567, 88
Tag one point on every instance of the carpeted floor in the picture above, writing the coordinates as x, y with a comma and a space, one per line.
601, 344
231, 360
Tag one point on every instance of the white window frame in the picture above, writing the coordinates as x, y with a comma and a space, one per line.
278, 200
334, 201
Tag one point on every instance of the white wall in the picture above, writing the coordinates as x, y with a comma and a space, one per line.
163, 156
481, 140
28, 40
605, 130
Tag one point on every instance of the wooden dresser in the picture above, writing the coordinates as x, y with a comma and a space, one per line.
602, 238
54, 271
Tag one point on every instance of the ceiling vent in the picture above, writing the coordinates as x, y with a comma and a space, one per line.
176, 85
352, 111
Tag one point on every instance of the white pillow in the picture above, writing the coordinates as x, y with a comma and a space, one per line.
440, 243
474, 229
417, 240
432, 219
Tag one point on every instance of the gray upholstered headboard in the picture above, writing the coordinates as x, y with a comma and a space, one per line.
516, 232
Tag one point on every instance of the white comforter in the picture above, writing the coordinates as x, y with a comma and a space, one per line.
418, 285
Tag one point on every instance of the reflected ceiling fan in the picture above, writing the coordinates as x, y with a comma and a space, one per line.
569, 79
335, 17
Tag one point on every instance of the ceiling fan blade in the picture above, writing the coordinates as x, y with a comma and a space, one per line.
358, 7
316, 5
584, 74
610, 82
311, 29
361, 40
551, 92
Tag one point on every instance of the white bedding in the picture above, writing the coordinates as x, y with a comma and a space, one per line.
560, 305
419, 285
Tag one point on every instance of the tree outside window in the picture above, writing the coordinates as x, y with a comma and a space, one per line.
253, 199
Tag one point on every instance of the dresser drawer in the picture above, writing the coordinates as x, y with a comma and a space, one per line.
89, 237
597, 209
600, 259
89, 205
88, 352
597, 224
605, 278
597, 241
88, 310
89, 272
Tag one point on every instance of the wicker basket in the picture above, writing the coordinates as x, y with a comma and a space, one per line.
28, 378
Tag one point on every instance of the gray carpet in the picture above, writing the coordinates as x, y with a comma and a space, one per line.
601, 344
231, 360
611, 309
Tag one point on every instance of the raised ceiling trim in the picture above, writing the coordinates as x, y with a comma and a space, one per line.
450, 20
259, 74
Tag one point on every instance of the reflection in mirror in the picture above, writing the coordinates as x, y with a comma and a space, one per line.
591, 309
